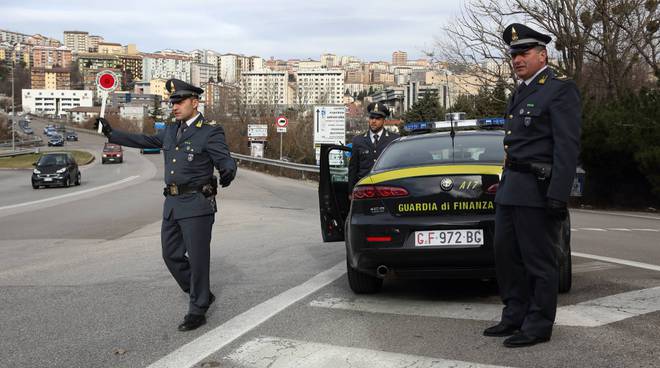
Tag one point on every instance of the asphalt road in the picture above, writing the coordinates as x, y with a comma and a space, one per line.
82, 284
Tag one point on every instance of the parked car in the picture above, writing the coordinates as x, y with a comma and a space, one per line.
71, 135
28, 130
55, 140
426, 210
112, 153
55, 169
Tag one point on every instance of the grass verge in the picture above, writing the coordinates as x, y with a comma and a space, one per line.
25, 161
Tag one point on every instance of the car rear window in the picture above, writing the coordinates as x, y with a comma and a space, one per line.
438, 150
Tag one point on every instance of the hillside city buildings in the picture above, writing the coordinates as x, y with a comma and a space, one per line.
63, 77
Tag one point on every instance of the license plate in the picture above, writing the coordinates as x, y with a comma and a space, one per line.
48, 179
459, 238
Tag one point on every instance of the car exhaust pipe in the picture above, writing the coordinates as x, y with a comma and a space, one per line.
382, 271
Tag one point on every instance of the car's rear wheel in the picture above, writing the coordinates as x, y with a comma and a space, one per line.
564, 257
362, 283
77, 182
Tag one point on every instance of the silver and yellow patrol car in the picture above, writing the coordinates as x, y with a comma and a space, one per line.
426, 210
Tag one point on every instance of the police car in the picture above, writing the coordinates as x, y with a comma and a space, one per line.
426, 210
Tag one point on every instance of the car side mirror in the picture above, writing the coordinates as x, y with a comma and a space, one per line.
34, 164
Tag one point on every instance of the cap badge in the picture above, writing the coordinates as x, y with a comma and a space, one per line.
376, 107
514, 34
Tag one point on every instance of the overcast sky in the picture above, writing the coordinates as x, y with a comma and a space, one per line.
369, 30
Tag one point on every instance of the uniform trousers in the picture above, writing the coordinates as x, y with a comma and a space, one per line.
186, 245
526, 241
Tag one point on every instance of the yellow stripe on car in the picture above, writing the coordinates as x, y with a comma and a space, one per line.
431, 171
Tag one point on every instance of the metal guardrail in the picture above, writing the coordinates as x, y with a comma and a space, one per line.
19, 152
278, 163
23, 142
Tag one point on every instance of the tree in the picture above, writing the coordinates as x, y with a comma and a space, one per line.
427, 108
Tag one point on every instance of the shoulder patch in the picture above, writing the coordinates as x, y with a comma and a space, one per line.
561, 77
211, 123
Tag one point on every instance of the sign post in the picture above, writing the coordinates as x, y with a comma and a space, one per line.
281, 124
107, 82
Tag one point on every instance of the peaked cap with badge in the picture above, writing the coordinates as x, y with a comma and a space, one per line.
521, 38
180, 90
378, 110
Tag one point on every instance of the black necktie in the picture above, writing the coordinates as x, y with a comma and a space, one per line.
182, 128
375, 139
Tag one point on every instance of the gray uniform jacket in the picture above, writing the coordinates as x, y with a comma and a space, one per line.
188, 161
364, 154
542, 126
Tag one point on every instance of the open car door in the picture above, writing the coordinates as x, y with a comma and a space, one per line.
333, 191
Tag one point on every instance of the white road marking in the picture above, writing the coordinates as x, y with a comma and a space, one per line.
616, 214
591, 313
273, 352
592, 266
214, 340
624, 262
591, 229
72, 194
617, 229
651, 230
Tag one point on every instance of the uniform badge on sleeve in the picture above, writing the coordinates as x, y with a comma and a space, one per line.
528, 121
191, 156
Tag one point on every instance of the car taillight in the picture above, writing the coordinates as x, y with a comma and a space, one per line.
493, 188
378, 191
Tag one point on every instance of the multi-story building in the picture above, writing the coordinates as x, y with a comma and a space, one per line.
54, 102
50, 78
212, 93
355, 76
110, 48
131, 67
93, 43
230, 68
399, 58
329, 60
40, 40
309, 65
157, 87
203, 73
13, 37
256, 63
20, 52
380, 76
319, 87
166, 66
77, 41
265, 87
51, 57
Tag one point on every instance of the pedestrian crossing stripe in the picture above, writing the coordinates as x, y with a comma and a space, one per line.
592, 313
273, 352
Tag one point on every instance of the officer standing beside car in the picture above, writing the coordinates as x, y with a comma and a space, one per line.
541, 143
192, 148
368, 146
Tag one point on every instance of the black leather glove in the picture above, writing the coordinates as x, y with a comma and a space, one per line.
556, 209
226, 177
105, 126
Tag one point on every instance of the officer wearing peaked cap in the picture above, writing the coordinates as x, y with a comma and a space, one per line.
541, 143
368, 146
192, 149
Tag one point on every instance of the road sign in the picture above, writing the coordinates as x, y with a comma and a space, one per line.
329, 125
107, 81
281, 130
257, 132
282, 122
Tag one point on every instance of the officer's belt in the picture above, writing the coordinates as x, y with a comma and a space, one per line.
175, 190
541, 169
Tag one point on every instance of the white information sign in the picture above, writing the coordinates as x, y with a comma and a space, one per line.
257, 131
281, 130
329, 124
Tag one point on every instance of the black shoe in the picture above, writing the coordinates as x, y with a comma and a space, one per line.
521, 340
192, 321
500, 329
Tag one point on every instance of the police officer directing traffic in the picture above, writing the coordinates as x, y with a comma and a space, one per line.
368, 146
192, 147
541, 143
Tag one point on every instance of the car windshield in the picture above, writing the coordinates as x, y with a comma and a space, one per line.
48, 160
437, 150
112, 148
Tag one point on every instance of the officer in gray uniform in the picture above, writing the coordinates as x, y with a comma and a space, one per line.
192, 147
541, 143
368, 146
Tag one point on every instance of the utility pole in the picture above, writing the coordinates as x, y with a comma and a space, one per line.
13, 108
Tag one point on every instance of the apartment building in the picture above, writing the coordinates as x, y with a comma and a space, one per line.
201, 73
50, 57
166, 66
319, 87
265, 87
13, 37
77, 41
50, 78
399, 58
